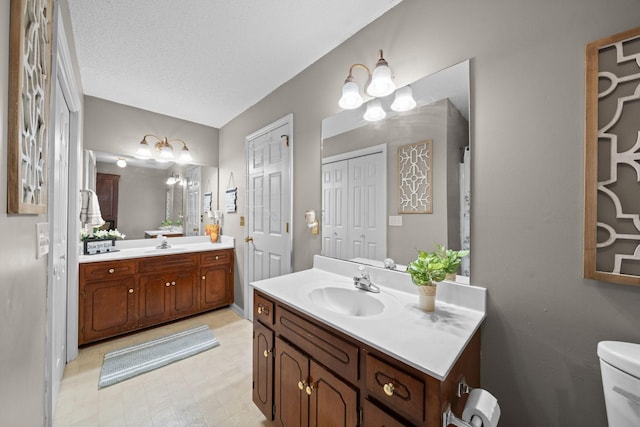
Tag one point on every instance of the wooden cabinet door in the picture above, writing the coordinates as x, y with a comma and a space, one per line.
332, 402
184, 289
291, 407
154, 300
214, 287
108, 308
263, 369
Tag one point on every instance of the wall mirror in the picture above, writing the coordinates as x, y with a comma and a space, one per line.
365, 215
146, 200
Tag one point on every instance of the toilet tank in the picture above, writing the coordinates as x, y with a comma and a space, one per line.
620, 368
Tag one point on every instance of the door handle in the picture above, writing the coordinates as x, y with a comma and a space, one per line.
248, 239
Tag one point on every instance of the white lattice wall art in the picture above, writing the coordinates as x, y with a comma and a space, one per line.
612, 159
29, 88
415, 178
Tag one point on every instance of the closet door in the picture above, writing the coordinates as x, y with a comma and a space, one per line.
367, 199
334, 202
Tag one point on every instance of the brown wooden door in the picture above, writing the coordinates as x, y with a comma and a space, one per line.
108, 308
214, 289
332, 402
107, 192
263, 369
154, 300
291, 377
184, 289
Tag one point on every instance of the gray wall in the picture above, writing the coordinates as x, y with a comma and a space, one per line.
544, 321
116, 128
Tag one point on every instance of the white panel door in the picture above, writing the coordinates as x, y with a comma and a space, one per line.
334, 202
192, 214
58, 236
268, 240
367, 228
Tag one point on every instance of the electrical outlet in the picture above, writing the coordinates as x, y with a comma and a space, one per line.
42, 239
395, 221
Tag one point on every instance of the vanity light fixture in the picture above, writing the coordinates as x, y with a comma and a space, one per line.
164, 149
173, 179
121, 162
379, 84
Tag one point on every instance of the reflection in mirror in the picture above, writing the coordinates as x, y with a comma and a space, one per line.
153, 197
402, 184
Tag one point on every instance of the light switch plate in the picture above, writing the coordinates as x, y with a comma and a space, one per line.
42, 239
395, 221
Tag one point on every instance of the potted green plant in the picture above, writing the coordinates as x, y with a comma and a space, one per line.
426, 271
451, 260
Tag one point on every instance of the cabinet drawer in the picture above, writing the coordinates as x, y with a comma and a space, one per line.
330, 350
167, 262
216, 257
372, 416
262, 309
395, 388
107, 269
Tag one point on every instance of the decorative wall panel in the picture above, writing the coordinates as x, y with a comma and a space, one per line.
415, 178
612, 159
29, 103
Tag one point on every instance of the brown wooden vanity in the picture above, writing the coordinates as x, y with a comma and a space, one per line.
120, 296
307, 373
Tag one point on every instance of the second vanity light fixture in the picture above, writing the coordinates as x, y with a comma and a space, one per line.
379, 84
164, 148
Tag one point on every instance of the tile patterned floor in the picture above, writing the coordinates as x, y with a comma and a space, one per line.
212, 388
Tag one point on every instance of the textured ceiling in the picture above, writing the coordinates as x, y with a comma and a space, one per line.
206, 61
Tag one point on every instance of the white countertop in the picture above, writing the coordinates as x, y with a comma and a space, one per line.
429, 342
147, 247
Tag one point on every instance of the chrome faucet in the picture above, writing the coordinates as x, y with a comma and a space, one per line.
363, 281
164, 243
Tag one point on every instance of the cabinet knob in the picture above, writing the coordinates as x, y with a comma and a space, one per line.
204, 277
131, 290
301, 385
266, 353
388, 389
309, 389
167, 284
112, 270
217, 257
173, 283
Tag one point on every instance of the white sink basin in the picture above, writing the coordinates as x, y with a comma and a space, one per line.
350, 302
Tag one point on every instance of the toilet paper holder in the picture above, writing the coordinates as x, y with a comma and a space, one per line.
463, 388
448, 418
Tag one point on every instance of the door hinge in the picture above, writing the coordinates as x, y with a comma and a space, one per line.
287, 228
359, 417
286, 139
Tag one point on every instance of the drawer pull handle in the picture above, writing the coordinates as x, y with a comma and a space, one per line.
301, 385
388, 389
263, 310
266, 353
309, 389
112, 270
131, 290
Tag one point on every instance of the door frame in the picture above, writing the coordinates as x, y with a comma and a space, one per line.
64, 72
288, 119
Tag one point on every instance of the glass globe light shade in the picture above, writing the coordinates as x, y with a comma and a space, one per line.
404, 100
350, 96
374, 111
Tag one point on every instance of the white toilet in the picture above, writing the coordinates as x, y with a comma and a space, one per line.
620, 368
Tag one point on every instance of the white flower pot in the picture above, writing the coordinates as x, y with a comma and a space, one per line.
427, 297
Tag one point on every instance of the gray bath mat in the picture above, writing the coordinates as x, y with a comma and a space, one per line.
128, 362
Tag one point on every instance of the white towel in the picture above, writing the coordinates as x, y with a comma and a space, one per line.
90, 208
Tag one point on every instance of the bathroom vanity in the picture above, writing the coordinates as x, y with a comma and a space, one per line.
136, 288
325, 353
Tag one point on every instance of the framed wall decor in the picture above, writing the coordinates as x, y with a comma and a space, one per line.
415, 178
31, 31
612, 159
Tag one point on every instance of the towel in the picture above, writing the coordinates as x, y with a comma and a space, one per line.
90, 208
